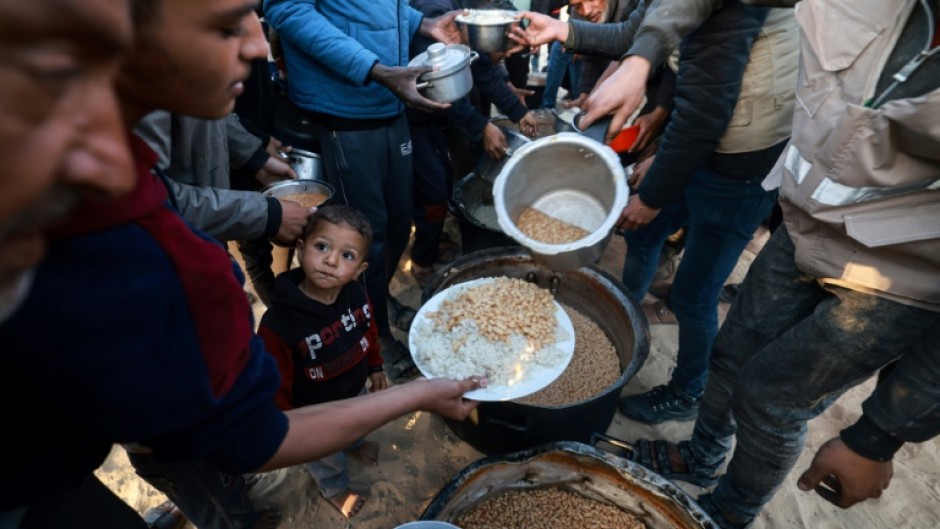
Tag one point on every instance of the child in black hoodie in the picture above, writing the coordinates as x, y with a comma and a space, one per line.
321, 331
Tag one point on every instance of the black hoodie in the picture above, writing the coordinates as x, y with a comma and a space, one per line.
324, 352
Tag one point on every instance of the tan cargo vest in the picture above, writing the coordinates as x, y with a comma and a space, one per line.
763, 114
860, 186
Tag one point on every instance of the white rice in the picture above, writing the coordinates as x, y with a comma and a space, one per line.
463, 352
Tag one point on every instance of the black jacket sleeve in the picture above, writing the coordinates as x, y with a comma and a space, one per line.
488, 78
711, 67
905, 405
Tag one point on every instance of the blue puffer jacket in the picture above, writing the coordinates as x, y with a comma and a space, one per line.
331, 45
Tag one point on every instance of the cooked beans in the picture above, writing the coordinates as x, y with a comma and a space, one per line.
502, 308
547, 229
546, 509
307, 200
594, 367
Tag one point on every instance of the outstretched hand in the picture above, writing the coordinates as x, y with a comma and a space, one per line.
403, 82
844, 478
541, 29
442, 28
620, 94
444, 396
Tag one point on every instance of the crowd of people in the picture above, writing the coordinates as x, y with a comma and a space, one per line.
125, 319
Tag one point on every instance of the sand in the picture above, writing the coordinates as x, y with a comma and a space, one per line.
419, 454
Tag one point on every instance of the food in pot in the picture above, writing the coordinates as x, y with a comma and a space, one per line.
307, 200
594, 366
546, 508
486, 17
544, 228
500, 327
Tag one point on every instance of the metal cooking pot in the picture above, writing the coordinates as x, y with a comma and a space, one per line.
451, 79
308, 165
297, 187
578, 468
571, 178
564, 119
472, 205
487, 30
500, 427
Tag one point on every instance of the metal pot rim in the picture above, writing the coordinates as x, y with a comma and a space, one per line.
301, 152
465, 19
621, 192
298, 182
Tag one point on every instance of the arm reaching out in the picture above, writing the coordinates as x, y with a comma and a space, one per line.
307, 438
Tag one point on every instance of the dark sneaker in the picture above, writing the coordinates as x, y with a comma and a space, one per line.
659, 404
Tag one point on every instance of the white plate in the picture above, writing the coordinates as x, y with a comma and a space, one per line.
539, 376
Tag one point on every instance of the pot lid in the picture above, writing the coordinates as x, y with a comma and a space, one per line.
445, 59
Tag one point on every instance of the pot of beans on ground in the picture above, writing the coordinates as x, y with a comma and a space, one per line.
308, 193
560, 197
611, 344
561, 486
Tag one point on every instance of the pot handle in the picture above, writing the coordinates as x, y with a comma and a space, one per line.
474, 56
613, 441
423, 85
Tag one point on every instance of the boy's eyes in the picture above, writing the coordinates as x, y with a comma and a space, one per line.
349, 256
321, 246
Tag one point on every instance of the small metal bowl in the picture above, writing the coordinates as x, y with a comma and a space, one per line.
487, 30
308, 193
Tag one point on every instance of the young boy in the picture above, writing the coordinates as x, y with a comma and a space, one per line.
321, 331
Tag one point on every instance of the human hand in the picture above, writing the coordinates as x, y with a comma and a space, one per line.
529, 125
651, 125
275, 169
542, 29
636, 215
402, 81
844, 478
639, 171
293, 220
379, 381
444, 396
521, 93
620, 94
442, 28
494, 142
275, 147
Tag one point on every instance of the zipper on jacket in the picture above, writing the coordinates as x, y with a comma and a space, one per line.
908, 69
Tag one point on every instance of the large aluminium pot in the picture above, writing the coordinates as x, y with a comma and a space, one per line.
578, 468
472, 205
308, 165
500, 427
451, 78
571, 178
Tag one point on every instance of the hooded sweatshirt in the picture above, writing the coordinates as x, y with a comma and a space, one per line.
325, 352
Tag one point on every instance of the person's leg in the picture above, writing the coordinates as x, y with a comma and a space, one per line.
557, 64
722, 216
399, 192
431, 192
331, 474
574, 75
644, 246
210, 499
844, 341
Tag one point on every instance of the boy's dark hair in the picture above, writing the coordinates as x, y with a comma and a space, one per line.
339, 214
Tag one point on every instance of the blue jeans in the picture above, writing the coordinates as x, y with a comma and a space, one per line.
558, 62
721, 214
787, 349
332, 472
210, 499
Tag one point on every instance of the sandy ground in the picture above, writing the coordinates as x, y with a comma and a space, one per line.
420, 454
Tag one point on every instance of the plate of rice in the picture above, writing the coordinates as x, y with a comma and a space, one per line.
509, 330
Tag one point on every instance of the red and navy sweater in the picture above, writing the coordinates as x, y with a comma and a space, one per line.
325, 352
137, 329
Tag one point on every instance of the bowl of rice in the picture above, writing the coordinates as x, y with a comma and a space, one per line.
506, 329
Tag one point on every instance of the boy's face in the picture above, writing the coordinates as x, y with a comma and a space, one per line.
61, 134
332, 255
193, 57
